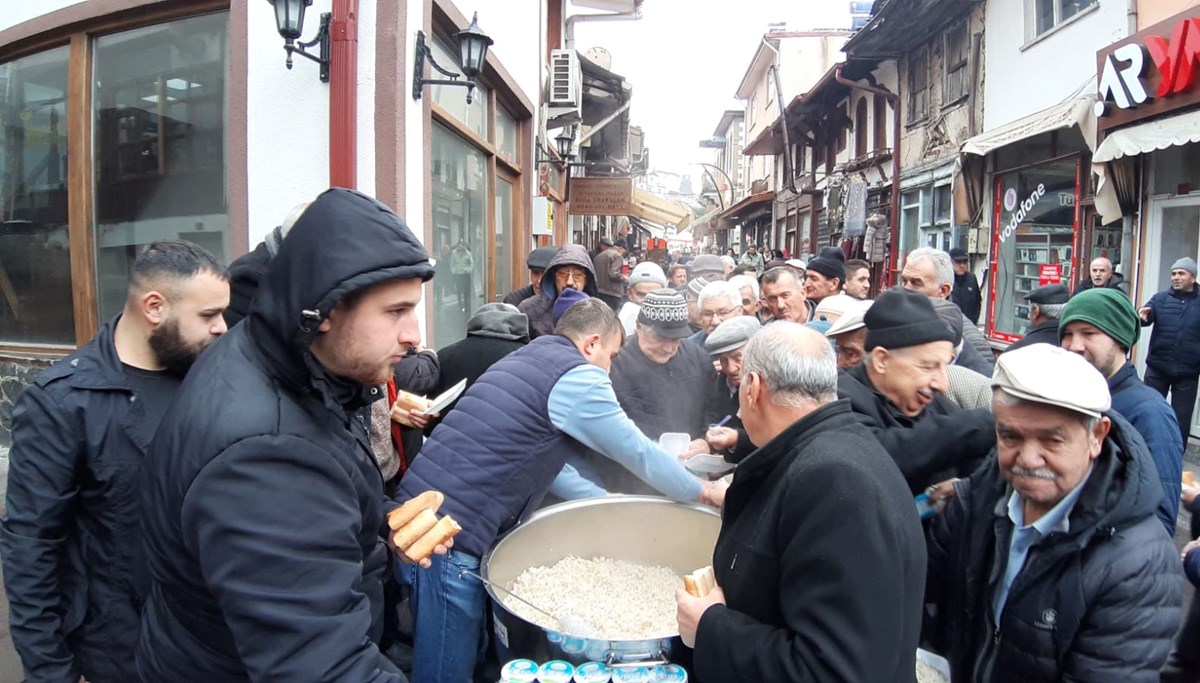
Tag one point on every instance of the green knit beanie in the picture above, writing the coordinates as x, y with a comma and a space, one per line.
1109, 310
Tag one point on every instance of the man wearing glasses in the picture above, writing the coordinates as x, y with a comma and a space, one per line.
570, 268
718, 302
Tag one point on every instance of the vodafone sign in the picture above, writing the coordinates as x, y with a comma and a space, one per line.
1151, 72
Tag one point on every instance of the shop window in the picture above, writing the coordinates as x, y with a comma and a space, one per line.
506, 135
881, 123
860, 128
1034, 233
1043, 15
955, 86
160, 145
505, 235
460, 204
918, 86
35, 261
911, 220
156, 163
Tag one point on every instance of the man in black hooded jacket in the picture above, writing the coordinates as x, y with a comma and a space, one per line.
1049, 564
263, 506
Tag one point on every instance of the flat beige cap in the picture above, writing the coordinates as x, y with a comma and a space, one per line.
1044, 373
851, 319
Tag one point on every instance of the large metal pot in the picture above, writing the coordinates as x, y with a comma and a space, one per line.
642, 529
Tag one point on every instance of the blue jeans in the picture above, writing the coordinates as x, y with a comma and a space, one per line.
449, 612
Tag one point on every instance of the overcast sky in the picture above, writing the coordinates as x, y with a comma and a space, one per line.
685, 59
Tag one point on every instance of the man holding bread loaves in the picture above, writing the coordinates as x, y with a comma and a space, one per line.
499, 452
819, 566
263, 507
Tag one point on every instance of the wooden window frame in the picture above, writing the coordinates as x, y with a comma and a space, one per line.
921, 56
861, 145
79, 31
956, 30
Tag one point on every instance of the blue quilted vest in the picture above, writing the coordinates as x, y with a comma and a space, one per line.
497, 453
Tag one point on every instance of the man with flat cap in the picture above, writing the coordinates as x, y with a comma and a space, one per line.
1046, 305
537, 262
727, 343
1101, 325
898, 390
1047, 564
826, 274
709, 267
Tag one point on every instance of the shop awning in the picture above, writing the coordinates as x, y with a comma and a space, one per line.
1077, 112
650, 207
1173, 131
745, 209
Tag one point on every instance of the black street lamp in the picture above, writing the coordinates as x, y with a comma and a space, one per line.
289, 20
563, 142
473, 46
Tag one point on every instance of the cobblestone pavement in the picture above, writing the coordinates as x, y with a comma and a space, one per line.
10, 666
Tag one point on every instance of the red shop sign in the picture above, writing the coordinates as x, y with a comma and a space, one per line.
1049, 274
1152, 72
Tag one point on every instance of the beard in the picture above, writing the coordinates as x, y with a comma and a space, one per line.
174, 352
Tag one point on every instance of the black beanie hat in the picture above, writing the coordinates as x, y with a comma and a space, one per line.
900, 318
829, 267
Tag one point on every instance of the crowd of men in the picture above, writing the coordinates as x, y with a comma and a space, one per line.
200, 493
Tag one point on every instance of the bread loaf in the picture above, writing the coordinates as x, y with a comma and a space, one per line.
428, 500
407, 401
443, 531
1189, 478
409, 533
700, 582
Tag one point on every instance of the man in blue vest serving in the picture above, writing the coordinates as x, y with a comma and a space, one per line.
499, 452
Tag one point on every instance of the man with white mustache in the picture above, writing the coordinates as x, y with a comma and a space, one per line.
898, 390
1048, 563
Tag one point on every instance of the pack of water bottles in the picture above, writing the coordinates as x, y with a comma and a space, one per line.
559, 671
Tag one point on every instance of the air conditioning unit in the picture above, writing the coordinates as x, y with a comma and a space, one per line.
566, 80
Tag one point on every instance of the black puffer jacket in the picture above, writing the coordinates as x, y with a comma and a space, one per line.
1175, 341
540, 309
1098, 603
263, 506
68, 535
941, 442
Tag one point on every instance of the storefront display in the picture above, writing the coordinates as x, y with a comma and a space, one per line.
1036, 225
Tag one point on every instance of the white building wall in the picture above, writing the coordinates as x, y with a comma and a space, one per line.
1024, 79
287, 121
366, 96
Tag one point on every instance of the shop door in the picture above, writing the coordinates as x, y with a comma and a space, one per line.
1175, 233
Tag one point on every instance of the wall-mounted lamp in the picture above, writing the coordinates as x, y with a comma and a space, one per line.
289, 20
562, 144
473, 45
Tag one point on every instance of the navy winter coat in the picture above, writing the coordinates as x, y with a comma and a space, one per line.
1175, 341
1154, 422
263, 504
1099, 602
68, 535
